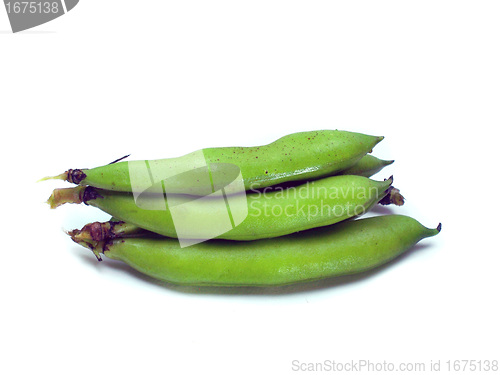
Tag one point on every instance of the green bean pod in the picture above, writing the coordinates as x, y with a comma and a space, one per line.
298, 156
252, 216
345, 248
367, 166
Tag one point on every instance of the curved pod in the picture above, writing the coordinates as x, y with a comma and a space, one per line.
298, 156
341, 249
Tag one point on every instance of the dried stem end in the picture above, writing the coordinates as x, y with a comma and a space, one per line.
75, 176
96, 247
79, 194
393, 197
105, 231
66, 195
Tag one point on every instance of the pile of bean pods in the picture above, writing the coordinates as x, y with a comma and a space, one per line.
282, 213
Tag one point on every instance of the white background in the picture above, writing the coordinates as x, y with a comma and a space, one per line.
163, 78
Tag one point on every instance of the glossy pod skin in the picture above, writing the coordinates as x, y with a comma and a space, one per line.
278, 213
367, 166
341, 249
298, 156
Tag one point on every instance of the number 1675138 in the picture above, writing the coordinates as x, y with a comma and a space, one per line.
32, 7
